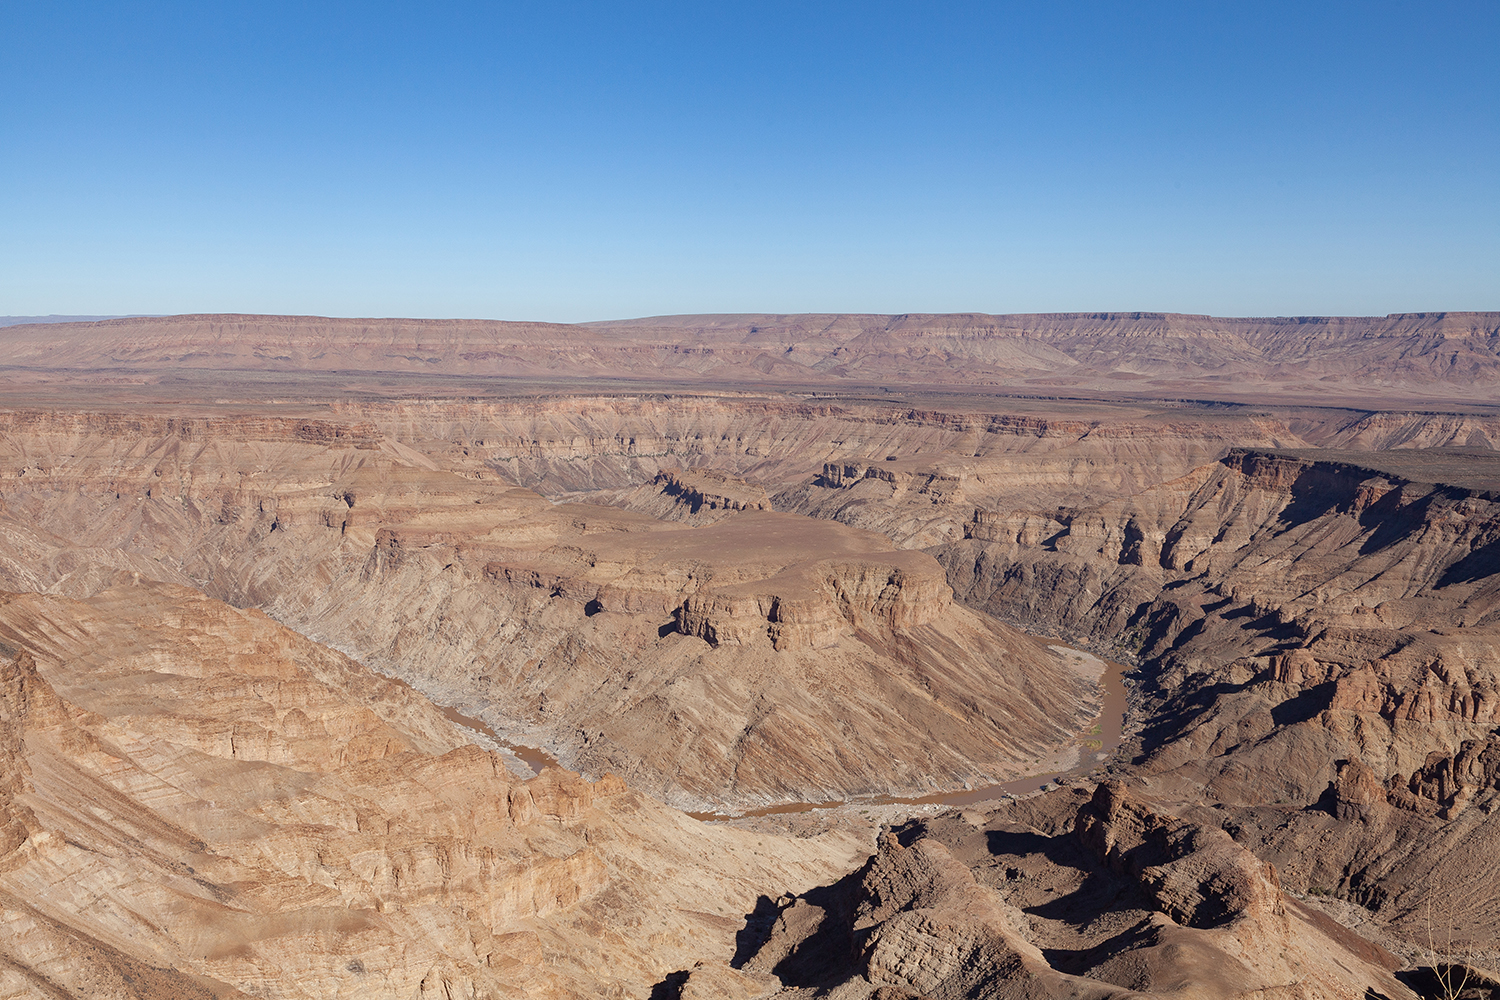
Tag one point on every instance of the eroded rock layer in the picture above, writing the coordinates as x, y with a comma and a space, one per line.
1320, 637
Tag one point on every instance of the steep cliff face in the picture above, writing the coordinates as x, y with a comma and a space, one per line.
216, 806
1309, 539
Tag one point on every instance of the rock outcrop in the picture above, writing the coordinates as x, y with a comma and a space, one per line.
1325, 653
696, 496
1008, 906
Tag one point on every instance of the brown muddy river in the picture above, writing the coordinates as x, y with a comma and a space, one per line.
530, 756
1094, 745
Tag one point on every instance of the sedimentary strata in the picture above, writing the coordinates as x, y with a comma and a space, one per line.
1322, 648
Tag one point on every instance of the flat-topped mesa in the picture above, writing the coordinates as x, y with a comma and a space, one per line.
757, 614
810, 605
902, 475
753, 578
701, 488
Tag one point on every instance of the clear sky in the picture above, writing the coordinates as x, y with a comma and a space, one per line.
572, 161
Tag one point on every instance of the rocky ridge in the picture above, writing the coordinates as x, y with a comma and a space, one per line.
692, 496
1101, 896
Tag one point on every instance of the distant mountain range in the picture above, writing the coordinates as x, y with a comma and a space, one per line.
1452, 356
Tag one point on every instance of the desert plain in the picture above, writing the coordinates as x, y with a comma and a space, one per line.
1072, 655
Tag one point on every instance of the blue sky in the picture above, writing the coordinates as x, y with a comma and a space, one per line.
585, 161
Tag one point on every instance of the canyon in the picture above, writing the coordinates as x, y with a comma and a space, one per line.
743, 565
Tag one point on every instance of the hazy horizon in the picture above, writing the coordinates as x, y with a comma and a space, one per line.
56, 318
